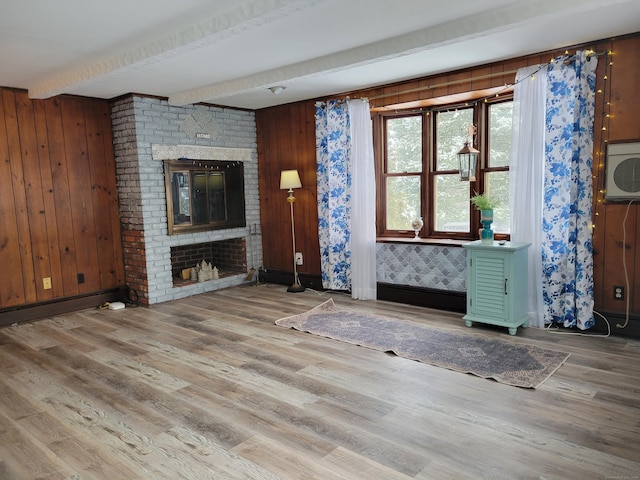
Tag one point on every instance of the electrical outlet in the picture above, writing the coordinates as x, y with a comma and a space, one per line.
299, 258
46, 283
618, 292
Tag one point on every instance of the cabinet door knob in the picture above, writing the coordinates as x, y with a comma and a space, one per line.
505, 285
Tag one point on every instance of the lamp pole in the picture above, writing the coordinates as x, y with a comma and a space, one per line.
296, 287
290, 179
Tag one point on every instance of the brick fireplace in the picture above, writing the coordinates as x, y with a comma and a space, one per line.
148, 131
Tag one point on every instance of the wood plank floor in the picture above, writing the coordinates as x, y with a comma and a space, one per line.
209, 388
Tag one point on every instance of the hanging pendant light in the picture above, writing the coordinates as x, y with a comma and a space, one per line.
467, 163
468, 158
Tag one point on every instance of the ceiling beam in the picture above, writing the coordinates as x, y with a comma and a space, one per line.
248, 15
462, 29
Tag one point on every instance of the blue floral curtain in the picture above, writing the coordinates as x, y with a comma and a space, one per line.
567, 249
333, 144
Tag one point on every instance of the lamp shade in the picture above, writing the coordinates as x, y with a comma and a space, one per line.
467, 162
289, 179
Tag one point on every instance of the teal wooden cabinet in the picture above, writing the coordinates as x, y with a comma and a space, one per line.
497, 284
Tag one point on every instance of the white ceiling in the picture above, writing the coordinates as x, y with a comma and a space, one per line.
229, 52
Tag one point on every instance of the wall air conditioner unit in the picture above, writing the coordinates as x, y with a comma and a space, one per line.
623, 171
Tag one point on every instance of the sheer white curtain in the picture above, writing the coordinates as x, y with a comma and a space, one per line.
363, 203
526, 177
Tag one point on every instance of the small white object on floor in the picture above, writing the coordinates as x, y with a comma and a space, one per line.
116, 306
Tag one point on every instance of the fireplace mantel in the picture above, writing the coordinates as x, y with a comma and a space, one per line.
196, 152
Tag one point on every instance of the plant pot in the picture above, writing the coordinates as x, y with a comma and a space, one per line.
486, 234
486, 216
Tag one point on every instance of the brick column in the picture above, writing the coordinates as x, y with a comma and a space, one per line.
129, 198
135, 263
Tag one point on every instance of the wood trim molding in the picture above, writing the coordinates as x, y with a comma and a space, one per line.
28, 313
423, 297
616, 322
281, 277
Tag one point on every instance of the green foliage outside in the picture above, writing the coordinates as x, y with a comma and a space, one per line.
404, 155
451, 210
497, 183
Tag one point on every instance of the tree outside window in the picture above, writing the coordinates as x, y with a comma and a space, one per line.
403, 171
496, 179
450, 197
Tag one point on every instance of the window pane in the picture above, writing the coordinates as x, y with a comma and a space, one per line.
500, 134
451, 133
199, 197
404, 144
497, 185
403, 202
451, 204
181, 198
217, 206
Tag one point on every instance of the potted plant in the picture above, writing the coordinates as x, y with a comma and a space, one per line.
485, 203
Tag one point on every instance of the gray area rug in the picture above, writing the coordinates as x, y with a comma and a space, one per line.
505, 361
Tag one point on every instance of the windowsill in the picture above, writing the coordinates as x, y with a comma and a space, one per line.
450, 242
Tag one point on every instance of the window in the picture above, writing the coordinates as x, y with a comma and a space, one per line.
418, 168
496, 171
451, 211
403, 182
204, 195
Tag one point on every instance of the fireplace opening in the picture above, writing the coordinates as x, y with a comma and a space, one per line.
204, 195
227, 256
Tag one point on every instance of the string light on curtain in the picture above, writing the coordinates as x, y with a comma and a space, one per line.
605, 120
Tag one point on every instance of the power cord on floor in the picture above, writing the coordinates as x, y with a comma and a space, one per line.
325, 292
554, 329
130, 302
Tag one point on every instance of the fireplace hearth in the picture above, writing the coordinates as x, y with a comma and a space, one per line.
228, 256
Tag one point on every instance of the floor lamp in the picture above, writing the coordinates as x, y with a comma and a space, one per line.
289, 179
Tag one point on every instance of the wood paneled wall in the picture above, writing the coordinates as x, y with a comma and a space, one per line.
58, 200
286, 139
619, 98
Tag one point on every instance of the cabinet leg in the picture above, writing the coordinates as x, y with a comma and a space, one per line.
513, 330
468, 323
